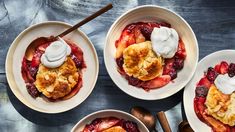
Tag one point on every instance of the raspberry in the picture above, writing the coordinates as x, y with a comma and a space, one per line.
211, 74
231, 70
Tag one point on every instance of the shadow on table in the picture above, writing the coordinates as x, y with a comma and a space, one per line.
101, 98
154, 106
42, 118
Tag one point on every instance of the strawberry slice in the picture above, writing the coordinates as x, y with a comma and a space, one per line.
224, 67
204, 82
77, 52
138, 36
181, 52
107, 123
215, 124
36, 59
199, 107
86, 129
25, 72
168, 66
157, 82
217, 68
121, 46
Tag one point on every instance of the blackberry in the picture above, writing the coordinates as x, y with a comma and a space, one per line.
211, 74
32, 90
120, 62
231, 70
201, 91
173, 74
77, 62
130, 126
178, 64
134, 81
146, 31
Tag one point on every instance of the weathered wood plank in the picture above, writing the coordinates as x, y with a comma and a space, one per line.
212, 21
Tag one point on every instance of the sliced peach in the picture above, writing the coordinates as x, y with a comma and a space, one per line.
157, 82
181, 52
121, 46
139, 36
216, 125
107, 123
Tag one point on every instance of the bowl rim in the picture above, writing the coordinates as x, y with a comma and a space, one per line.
165, 9
107, 110
17, 94
187, 87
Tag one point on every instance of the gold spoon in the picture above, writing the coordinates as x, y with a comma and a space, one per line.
35, 43
149, 120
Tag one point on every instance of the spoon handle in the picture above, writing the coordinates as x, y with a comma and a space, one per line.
101, 11
163, 121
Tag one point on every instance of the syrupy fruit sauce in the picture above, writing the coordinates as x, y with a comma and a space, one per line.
100, 124
201, 92
29, 68
171, 67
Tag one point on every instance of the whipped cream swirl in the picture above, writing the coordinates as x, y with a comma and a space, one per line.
164, 41
55, 54
225, 83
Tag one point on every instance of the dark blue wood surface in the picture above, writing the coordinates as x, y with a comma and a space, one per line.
213, 22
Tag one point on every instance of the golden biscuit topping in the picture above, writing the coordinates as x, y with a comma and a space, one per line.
115, 129
57, 82
221, 106
141, 62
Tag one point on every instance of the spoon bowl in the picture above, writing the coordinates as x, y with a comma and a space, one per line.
144, 116
30, 51
149, 120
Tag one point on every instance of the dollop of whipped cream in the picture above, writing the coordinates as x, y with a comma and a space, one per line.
165, 41
225, 83
55, 54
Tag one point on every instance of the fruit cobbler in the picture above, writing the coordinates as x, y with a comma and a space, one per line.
149, 54
214, 101
111, 124
55, 70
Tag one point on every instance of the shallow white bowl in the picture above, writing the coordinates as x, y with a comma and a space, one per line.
152, 13
107, 113
189, 91
15, 55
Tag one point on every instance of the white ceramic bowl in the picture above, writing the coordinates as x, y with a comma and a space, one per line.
107, 113
152, 13
15, 55
189, 91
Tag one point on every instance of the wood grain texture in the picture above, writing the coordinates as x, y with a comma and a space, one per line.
212, 21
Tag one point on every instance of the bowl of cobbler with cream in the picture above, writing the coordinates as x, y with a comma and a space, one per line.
150, 52
55, 78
